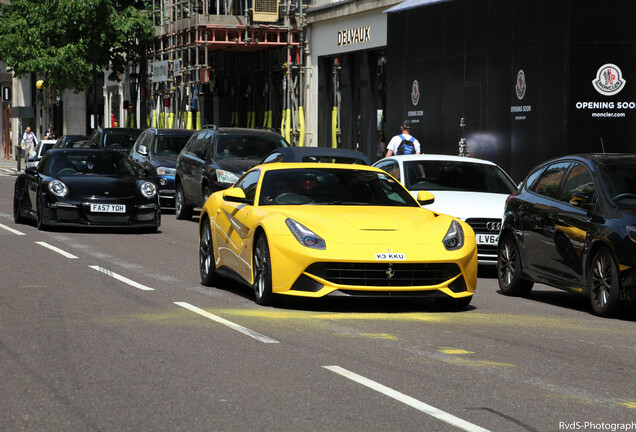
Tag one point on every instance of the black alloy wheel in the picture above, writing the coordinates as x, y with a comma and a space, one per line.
262, 273
181, 210
209, 277
604, 284
206, 193
17, 206
509, 275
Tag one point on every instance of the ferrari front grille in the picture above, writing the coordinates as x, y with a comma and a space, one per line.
384, 274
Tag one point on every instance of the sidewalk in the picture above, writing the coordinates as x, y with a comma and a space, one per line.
9, 166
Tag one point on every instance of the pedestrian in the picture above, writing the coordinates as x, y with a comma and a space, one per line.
29, 141
403, 143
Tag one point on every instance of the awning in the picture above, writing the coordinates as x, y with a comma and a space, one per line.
411, 4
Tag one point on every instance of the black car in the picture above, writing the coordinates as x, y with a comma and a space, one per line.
317, 154
120, 139
572, 225
68, 141
214, 158
87, 187
156, 151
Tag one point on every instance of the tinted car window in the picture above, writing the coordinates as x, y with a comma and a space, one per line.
245, 146
390, 167
579, 180
619, 179
332, 186
274, 157
248, 184
548, 184
120, 140
169, 144
532, 177
78, 163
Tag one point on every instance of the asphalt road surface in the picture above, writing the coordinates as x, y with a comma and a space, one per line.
104, 330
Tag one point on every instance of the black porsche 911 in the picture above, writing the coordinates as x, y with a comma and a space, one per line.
86, 187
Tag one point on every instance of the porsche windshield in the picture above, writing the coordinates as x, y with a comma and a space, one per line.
438, 175
89, 162
332, 186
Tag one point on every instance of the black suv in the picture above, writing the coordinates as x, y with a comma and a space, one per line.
121, 139
214, 158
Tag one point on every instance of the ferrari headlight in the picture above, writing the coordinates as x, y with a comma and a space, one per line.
304, 235
58, 188
148, 189
454, 238
163, 171
631, 232
223, 176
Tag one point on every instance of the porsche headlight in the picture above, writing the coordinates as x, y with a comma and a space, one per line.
228, 177
58, 188
304, 235
148, 189
454, 238
163, 171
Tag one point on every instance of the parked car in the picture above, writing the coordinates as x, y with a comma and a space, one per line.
319, 229
67, 141
214, 159
473, 190
156, 151
86, 187
120, 139
572, 225
317, 154
39, 151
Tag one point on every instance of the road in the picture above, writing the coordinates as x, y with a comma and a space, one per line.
111, 331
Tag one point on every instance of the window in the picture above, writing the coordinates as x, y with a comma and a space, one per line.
548, 183
248, 183
390, 167
579, 180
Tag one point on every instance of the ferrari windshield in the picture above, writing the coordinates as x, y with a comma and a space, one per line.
90, 162
332, 186
439, 175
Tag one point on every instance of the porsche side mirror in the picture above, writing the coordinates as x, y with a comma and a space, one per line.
425, 198
234, 194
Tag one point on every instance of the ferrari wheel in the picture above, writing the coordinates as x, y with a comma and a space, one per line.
509, 269
39, 223
17, 206
181, 210
209, 276
603, 287
262, 273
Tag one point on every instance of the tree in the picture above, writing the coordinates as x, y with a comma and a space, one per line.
62, 40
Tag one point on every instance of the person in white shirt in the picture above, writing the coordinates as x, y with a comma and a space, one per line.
403, 143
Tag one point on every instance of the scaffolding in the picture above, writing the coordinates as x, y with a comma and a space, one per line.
227, 62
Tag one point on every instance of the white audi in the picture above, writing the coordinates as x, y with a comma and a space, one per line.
474, 190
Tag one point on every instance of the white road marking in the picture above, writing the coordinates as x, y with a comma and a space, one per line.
230, 324
56, 249
425, 408
121, 278
11, 230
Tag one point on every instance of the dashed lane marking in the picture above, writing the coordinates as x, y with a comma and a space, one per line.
11, 230
121, 278
230, 324
56, 249
414, 403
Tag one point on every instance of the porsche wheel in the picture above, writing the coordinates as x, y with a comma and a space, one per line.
209, 276
17, 206
262, 273
603, 286
509, 275
39, 223
181, 210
